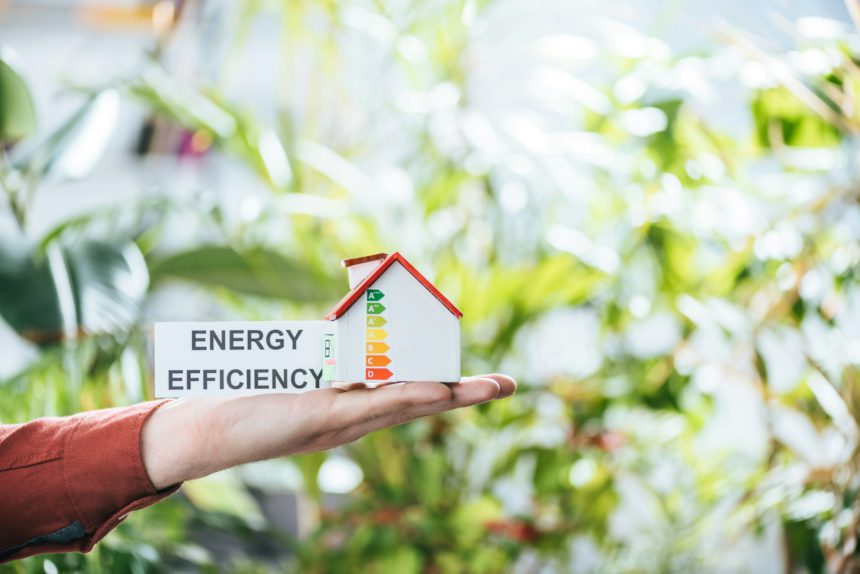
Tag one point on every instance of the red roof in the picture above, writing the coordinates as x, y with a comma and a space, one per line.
365, 283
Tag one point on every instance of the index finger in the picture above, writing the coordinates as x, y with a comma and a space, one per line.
360, 406
467, 392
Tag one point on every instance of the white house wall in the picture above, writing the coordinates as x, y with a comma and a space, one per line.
423, 334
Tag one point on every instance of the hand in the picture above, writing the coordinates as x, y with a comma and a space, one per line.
190, 438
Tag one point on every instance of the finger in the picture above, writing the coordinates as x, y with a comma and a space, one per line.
361, 405
358, 406
401, 397
467, 392
507, 385
471, 391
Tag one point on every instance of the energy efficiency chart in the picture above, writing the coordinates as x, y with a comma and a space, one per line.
378, 357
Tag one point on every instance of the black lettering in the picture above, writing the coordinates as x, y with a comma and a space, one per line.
294, 337
174, 375
317, 377
192, 376
260, 376
279, 377
198, 340
214, 341
230, 379
208, 376
278, 338
304, 383
235, 340
255, 337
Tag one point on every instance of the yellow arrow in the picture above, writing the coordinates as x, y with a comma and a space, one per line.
376, 321
376, 334
377, 348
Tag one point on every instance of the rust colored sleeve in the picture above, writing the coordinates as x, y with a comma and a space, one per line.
66, 482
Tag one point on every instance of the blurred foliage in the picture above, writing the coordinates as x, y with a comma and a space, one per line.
256, 271
676, 292
18, 118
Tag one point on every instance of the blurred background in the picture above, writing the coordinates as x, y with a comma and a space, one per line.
647, 211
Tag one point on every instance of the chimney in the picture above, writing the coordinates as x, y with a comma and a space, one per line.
360, 267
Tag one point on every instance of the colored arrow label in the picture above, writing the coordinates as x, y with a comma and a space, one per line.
377, 348
376, 334
374, 294
377, 360
375, 308
378, 374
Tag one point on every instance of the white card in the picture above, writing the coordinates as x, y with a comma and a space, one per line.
240, 357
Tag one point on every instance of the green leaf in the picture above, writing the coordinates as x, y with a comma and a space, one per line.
188, 107
94, 287
778, 113
224, 492
29, 303
239, 134
802, 546
469, 519
17, 112
403, 560
255, 271
309, 465
109, 282
74, 148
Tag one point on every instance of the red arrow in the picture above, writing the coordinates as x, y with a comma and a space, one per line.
377, 360
377, 374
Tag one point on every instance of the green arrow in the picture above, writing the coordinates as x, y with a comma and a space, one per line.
375, 308
374, 294
376, 321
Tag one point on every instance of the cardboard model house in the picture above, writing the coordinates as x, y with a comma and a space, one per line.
393, 325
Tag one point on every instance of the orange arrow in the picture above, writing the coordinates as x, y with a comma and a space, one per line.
377, 348
377, 374
377, 360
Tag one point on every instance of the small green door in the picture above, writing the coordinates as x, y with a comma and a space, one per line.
329, 357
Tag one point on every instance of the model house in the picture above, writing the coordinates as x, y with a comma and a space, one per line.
393, 325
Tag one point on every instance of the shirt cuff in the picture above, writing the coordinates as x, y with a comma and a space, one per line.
103, 468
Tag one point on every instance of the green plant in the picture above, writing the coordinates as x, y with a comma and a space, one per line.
676, 294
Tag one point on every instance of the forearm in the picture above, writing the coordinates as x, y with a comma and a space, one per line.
191, 438
66, 482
